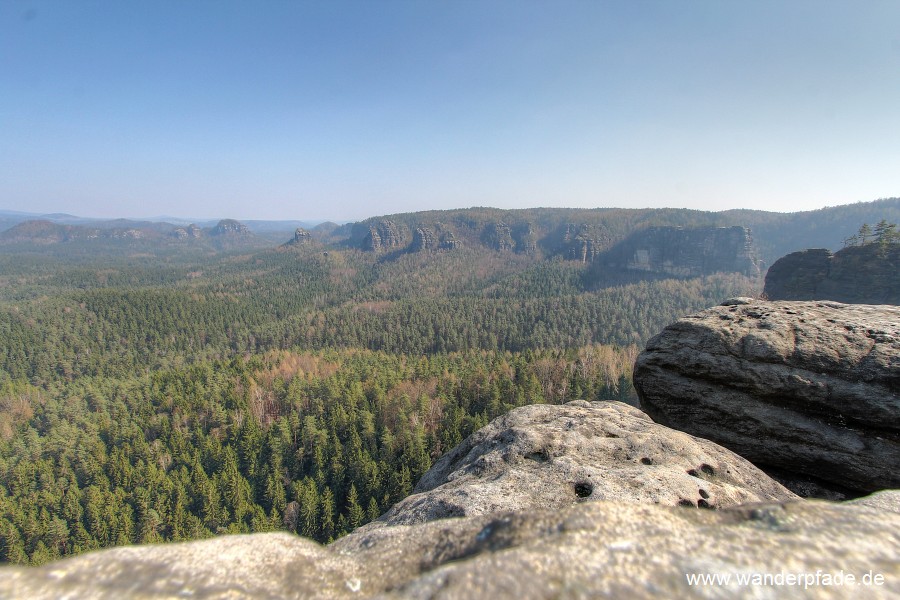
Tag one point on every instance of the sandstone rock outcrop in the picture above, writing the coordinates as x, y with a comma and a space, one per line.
191, 231
584, 242
498, 236
526, 239
807, 387
686, 252
861, 274
230, 228
301, 238
589, 550
544, 456
424, 238
383, 235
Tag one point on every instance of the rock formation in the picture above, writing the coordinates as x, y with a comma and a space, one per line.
191, 231
807, 387
424, 238
301, 238
230, 228
588, 550
383, 235
861, 274
544, 456
526, 239
584, 242
498, 236
449, 241
686, 252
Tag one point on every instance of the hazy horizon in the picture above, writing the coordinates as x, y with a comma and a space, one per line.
318, 220
346, 110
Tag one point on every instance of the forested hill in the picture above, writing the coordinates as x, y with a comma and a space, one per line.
541, 233
584, 234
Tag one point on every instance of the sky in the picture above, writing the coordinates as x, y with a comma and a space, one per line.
344, 110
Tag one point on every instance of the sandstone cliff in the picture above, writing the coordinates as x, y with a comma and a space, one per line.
686, 252
857, 274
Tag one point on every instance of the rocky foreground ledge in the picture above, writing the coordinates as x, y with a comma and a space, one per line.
588, 550
584, 500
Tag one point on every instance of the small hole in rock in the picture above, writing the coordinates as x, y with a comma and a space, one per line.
684, 502
701, 503
707, 469
583, 489
539, 456
647, 461
693, 473
704, 494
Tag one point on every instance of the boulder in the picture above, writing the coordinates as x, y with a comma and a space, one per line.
277, 565
544, 456
811, 388
588, 550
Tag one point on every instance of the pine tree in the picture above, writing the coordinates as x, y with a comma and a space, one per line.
326, 517
372, 512
355, 513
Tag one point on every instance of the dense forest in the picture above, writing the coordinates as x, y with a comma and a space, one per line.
149, 397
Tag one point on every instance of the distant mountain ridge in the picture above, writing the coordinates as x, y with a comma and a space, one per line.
226, 234
583, 235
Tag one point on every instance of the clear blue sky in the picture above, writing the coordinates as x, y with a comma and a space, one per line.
343, 110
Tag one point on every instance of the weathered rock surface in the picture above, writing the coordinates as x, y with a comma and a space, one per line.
884, 500
589, 550
862, 274
807, 387
544, 456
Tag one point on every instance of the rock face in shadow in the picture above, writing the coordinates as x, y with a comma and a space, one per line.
858, 274
588, 550
807, 387
544, 456
686, 252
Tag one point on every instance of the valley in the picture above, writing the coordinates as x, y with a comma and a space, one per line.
163, 382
